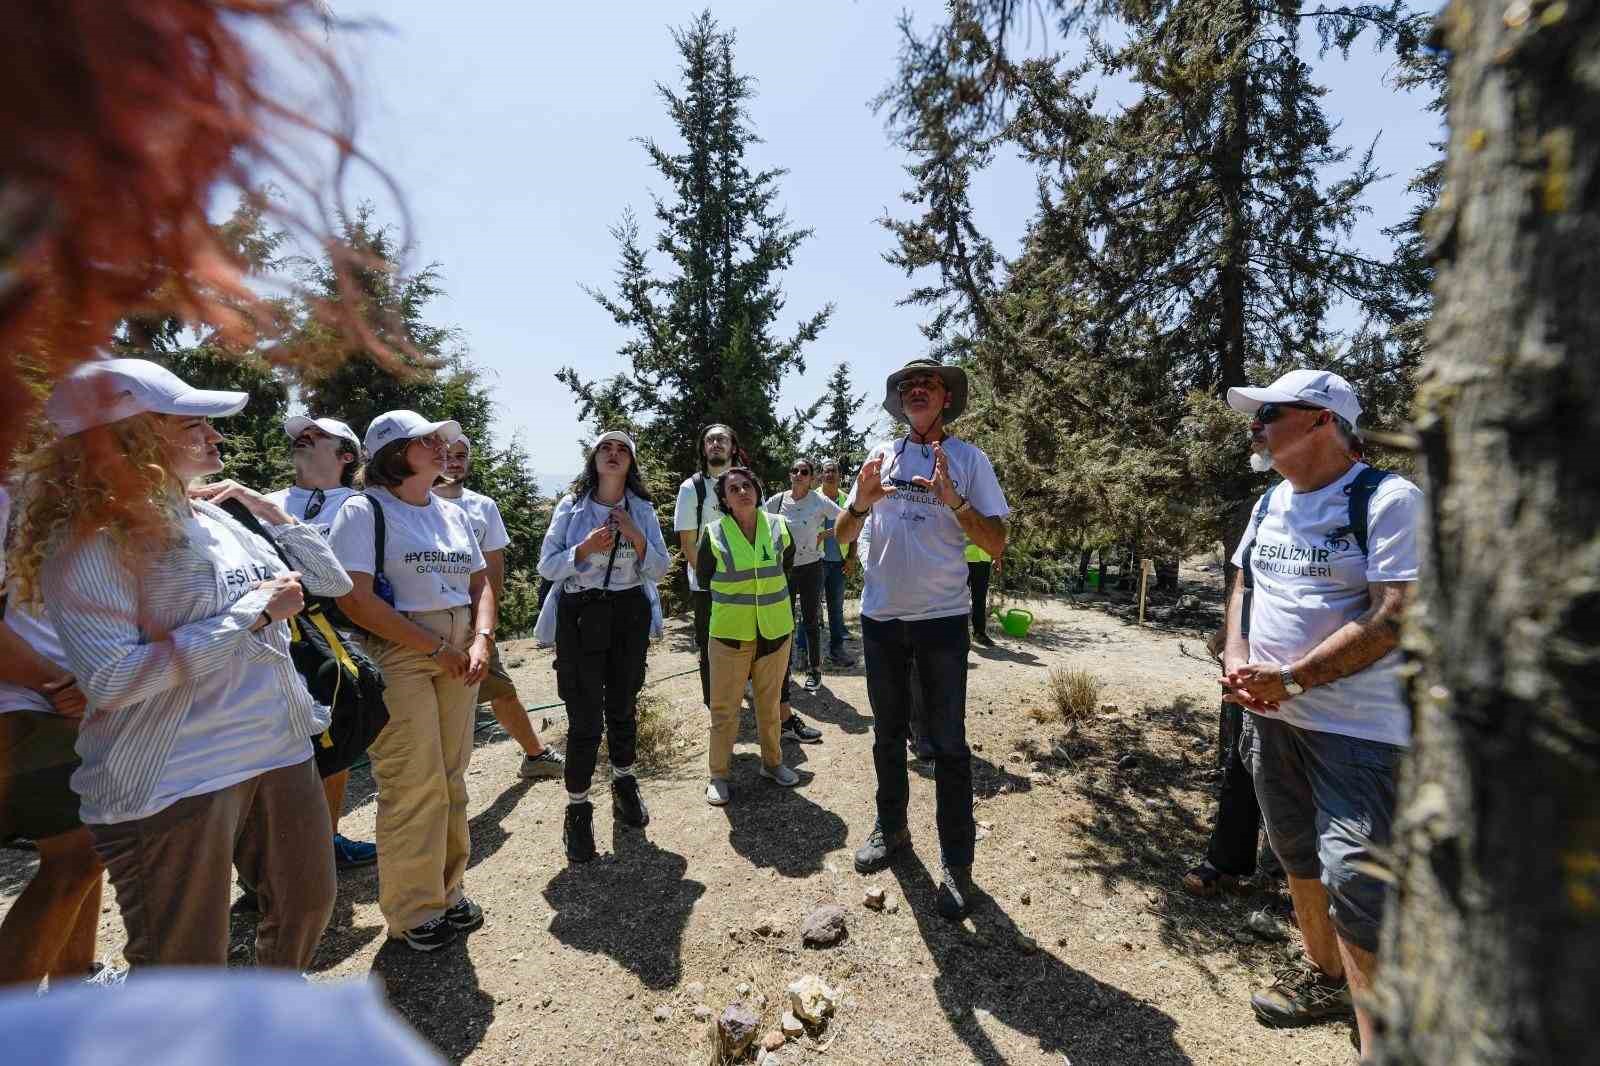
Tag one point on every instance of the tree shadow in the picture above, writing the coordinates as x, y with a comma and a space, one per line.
1001, 654
438, 993
824, 706
779, 828
991, 975
631, 905
988, 778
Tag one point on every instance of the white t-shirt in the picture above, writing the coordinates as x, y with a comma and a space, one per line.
238, 726
912, 548
430, 552
295, 500
484, 514
683, 516
1310, 579
624, 571
807, 518
35, 630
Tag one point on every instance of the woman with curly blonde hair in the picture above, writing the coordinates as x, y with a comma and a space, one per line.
172, 615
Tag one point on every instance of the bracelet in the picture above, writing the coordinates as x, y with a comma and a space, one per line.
966, 505
859, 514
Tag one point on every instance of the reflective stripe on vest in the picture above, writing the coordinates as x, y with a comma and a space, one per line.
748, 590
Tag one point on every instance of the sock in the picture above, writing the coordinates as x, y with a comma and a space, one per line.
619, 772
578, 797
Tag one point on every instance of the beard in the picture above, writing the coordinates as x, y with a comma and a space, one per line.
1261, 462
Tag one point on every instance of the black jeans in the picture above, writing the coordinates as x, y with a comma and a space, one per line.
601, 688
1232, 849
702, 633
939, 648
805, 585
978, 581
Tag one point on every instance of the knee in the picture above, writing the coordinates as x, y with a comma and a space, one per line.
1355, 898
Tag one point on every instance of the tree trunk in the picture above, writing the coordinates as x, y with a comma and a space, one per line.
1231, 176
1492, 949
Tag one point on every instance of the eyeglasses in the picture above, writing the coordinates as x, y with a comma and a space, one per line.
314, 505
1268, 413
927, 384
800, 471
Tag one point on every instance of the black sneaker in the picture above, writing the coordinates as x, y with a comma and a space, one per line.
1302, 995
955, 891
880, 848
626, 803
431, 936
813, 680
795, 729
465, 916
983, 638
843, 660
578, 832
249, 902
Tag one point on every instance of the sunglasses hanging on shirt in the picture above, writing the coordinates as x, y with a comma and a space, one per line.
314, 505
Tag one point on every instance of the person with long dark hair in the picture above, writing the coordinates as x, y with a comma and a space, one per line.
604, 553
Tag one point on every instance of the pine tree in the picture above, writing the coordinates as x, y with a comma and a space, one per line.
705, 344
837, 438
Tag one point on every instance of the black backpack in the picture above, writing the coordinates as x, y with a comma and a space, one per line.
1359, 493
338, 674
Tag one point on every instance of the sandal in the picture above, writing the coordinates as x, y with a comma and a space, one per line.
1205, 881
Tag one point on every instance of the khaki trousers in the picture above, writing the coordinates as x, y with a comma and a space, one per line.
730, 668
173, 871
419, 762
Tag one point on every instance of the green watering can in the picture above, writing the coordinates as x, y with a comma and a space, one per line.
1015, 621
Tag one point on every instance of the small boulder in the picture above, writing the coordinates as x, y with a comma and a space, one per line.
792, 1026
873, 898
773, 1040
823, 927
736, 1028
891, 905
702, 1012
811, 1000
663, 1013
1108, 708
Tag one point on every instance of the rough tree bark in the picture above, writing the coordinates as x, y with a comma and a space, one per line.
1492, 949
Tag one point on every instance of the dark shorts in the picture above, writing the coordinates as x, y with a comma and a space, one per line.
36, 764
1327, 799
497, 684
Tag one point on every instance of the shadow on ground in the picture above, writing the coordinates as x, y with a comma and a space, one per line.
779, 828
438, 994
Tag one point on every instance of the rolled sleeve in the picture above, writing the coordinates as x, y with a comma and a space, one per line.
558, 560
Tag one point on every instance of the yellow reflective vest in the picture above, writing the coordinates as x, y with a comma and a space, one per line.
976, 554
748, 589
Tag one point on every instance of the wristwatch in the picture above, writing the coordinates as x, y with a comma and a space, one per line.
486, 633
965, 504
859, 514
1290, 685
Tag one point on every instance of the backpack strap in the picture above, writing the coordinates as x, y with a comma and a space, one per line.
379, 534
1360, 492
699, 480
1250, 550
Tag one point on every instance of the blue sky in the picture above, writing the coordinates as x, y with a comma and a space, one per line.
510, 129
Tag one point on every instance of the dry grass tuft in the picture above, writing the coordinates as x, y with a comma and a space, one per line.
662, 741
1074, 694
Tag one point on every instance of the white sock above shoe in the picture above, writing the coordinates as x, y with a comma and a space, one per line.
578, 797
619, 772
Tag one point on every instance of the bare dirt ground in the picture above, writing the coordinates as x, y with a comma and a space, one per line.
1082, 950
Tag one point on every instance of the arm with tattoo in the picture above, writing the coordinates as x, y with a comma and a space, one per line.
1358, 644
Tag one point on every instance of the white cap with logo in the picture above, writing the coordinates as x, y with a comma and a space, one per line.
1320, 388
406, 425
616, 435
104, 391
295, 425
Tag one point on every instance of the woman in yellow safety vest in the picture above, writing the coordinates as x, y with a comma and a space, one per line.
979, 564
744, 558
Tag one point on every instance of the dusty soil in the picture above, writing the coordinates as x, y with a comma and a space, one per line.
1082, 949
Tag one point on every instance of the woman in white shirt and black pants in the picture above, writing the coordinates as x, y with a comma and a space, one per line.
604, 552
430, 613
195, 746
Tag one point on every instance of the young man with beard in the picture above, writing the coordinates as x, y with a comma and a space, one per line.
697, 505
497, 689
326, 454
916, 502
1326, 566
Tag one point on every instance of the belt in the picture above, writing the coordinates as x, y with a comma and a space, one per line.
589, 595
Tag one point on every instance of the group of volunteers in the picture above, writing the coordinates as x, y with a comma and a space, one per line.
154, 725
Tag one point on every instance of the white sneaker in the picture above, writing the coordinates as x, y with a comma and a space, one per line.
781, 775
717, 792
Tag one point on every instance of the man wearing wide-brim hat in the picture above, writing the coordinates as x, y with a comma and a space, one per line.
917, 501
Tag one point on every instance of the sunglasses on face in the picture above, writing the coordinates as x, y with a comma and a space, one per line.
926, 384
800, 471
1268, 413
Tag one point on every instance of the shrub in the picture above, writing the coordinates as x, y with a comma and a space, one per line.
1075, 694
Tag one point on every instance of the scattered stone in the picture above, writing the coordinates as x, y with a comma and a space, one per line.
1201, 744
1075, 892
891, 905
823, 927
1266, 926
1128, 762
977, 745
743, 989
514, 663
702, 1012
1025, 897
736, 1028
792, 1026
663, 1013
980, 833
766, 925
1108, 708
1037, 778
544, 1000
1033, 856
986, 825
761, 1000
773, 1040
1188, 603
873, 898
811, 1000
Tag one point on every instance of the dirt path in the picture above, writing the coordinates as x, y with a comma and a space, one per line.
1084, 950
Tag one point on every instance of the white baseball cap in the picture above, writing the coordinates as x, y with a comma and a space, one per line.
1320, 388
104, 391
295, 425
617, 435
406, 425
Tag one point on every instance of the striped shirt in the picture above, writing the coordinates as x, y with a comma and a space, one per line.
138, 643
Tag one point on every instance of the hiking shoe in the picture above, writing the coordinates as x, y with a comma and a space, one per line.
1204, 881
1302, 995
795, 729
103, 976
548, 763
627, 804
813, 680
717, 792
955, 891
983, 638
431, 935
577, 832
880, 848
465, 916
842, 659
781, 775
921, 747
348, 854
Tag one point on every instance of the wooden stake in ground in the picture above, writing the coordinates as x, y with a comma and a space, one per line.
1147, 570
1491, 952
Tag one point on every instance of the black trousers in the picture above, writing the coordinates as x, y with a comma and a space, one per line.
805, 585
978, 581
600, 685
702, 633
1232, 848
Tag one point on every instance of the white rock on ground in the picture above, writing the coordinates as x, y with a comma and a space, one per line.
811, 999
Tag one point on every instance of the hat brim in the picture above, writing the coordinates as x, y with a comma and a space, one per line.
295, 425
955, 386
449, 430
1249, 400
206, 403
